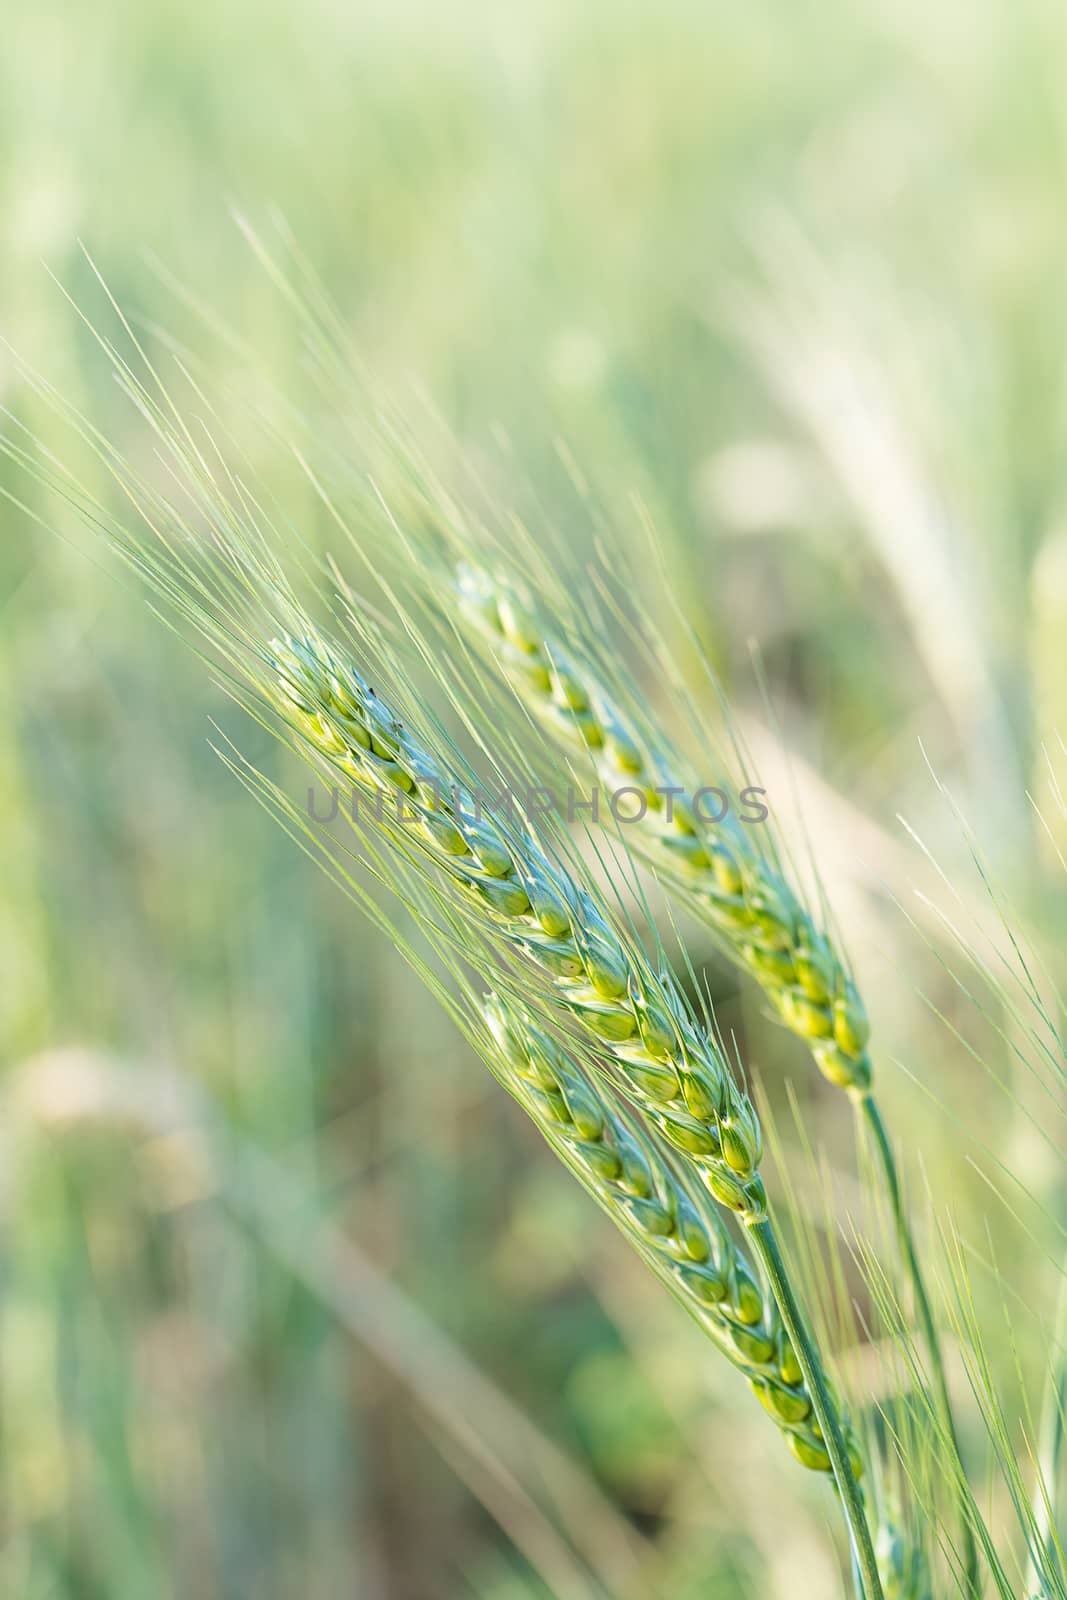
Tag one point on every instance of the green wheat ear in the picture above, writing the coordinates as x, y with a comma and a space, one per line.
740, 893
683, 1239
633, 1013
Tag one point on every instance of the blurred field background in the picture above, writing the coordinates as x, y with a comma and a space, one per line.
790, 277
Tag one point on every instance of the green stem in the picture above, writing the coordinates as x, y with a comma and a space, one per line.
766, 1245
857, 1575
1045, 1557
868, 1106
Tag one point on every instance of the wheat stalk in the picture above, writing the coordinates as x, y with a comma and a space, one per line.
735, 887
634, 1018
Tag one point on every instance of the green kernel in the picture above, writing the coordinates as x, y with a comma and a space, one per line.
692, 1233
357, 733
657, 1033
741, 1143
383, 743
624, 752
550, 1105
608, 1022
748, 1298
688, 849
445, 835
814, 973
728, 1190
774, 964
851, 1027
689, 1135
659, 1083
607, 970
788, 1366
809, 1453
518, 625
651, 1217
705, 1283
699, 1096
398, 778
508, 899
753, 1347
585, 1113
790, 1406
636, 1173
568, 688
601, 1160
805, 1016
551, 914
844, 1070
548, 904
558, 957
490, 850
726, 870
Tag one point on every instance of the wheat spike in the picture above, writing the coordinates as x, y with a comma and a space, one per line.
666, 1062
688, 1245
741, 894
